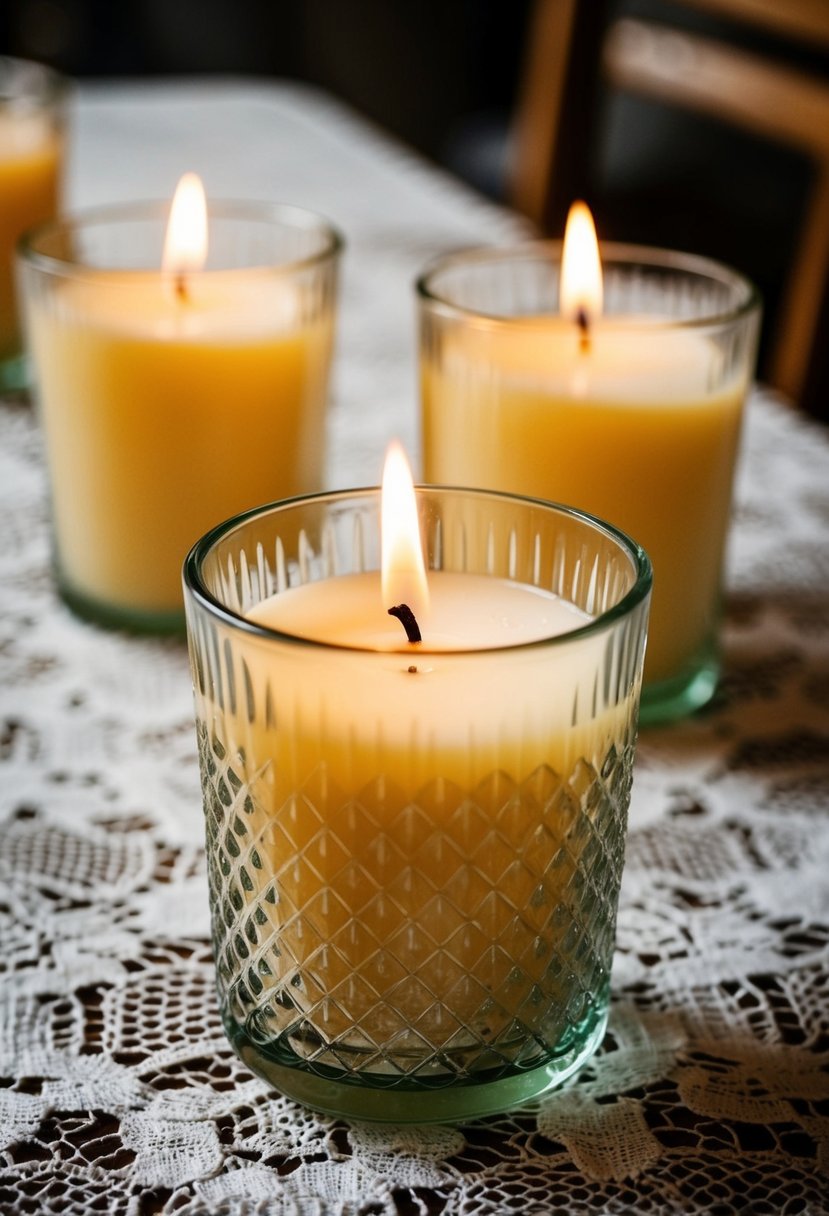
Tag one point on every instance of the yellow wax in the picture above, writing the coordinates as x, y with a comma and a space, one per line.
465, 612
629, 430
30, 152
462, 715
420, 810
165, 415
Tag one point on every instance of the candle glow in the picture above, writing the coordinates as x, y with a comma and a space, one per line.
403, 571
185, 242
581, 293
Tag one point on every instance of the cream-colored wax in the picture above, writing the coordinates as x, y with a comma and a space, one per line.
439, 709
465, 612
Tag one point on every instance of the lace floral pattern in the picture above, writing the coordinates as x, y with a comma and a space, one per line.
710, 1093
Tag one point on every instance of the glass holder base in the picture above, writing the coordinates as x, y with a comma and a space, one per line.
671, 700
14, 373
453, 1103
109, 616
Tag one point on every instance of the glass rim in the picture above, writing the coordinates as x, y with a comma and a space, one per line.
288, 215
52, 85
613, 253
196, 587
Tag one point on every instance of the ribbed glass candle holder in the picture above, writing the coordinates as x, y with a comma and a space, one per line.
636, 420
414, 865
170, 400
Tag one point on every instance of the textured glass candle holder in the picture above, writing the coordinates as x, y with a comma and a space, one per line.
168, 401
32, 112
637, 422
414, 868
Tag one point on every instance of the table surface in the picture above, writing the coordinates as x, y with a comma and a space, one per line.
119, 1092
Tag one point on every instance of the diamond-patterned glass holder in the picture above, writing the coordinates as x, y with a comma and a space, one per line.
414, 878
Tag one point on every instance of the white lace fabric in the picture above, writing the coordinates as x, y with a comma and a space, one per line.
118, 1090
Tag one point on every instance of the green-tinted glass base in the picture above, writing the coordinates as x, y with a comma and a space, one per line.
401, 1100
113, 616
14, 373
671, 700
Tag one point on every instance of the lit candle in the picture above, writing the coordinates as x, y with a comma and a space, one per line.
409, 829
407, 728
628, 409
174, 395
454, 611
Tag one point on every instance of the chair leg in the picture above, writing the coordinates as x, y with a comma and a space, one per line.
556, 108
801, 305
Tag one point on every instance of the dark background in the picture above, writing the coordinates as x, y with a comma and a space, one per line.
442, 75
421, 68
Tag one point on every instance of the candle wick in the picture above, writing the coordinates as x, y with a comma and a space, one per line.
181, 286
406, 618
583, 322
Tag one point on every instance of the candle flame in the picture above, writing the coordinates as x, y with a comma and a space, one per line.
403, 570
581, 268
185, 244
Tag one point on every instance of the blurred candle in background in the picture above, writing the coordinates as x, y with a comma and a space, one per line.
622, 397
182, 373
31, 155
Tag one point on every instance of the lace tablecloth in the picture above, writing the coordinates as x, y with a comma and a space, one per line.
119, 1093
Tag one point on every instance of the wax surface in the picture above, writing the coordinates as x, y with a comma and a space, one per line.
29, 167
466, 612
628, 430
461, 715
164, 416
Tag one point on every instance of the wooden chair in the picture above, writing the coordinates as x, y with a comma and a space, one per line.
576, 48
